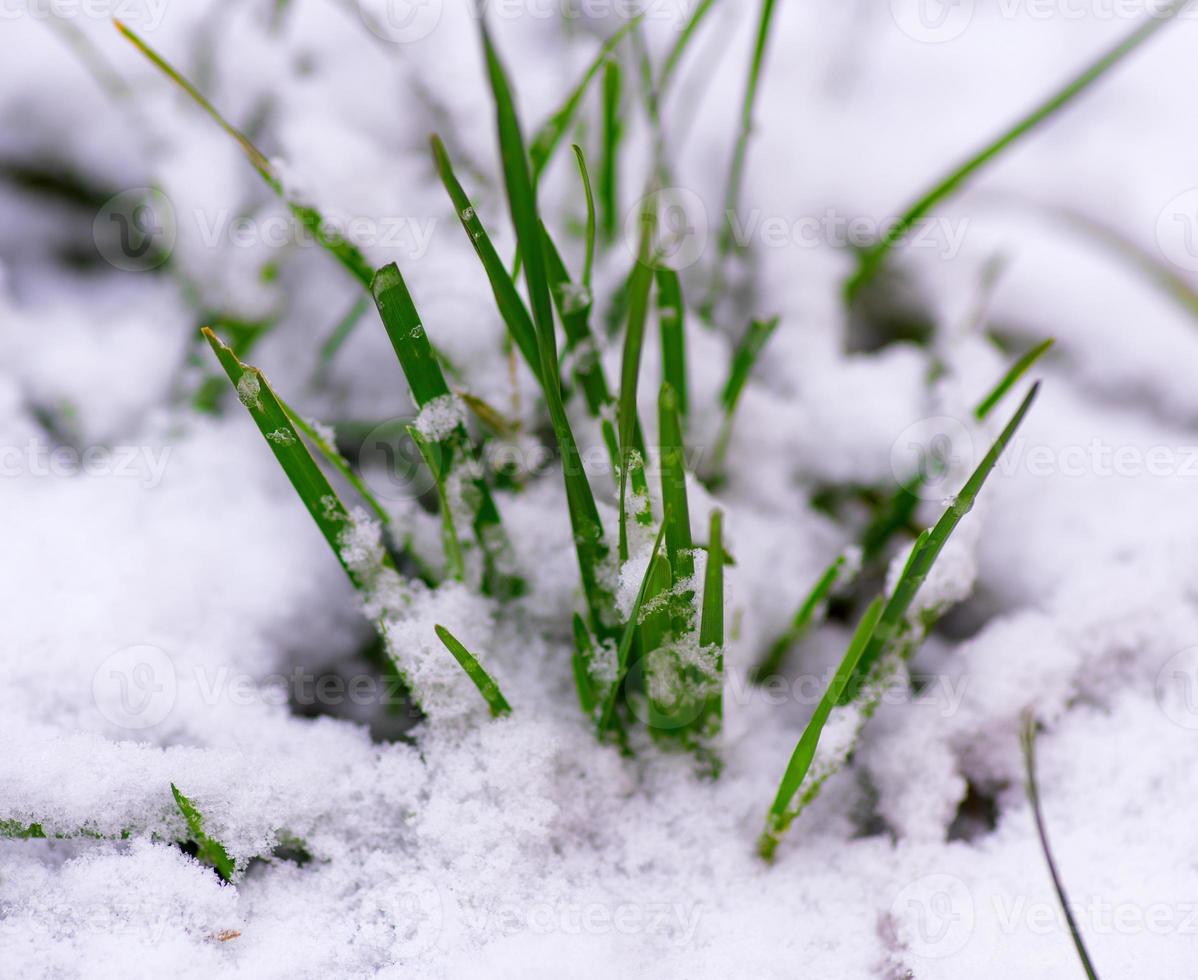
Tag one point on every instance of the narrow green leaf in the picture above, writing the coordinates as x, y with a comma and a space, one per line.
743, 359
673, 485
589, 263
923, 558
1011, 378
771, 663
711, 626
313, 488
507, 297
208, 851
345, 252
451, 543
584, 657
1027, 740
589, 540
609, 159
671, 314
408, 336
474, 670
781, 813
630, 632
680, 45
871, 260
547, 138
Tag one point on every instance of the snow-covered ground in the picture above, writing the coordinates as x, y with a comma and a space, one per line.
165, 587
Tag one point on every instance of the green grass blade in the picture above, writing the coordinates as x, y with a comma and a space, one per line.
679, 545
872, 259
313, 487
345, 252
584, 657
208, 851
740, 149
640, 284
1027, 741
630, 632
549, 136
743, 359
451, 543
609, 159
589, 262
474, 670
427, 383
671, 314
711, 625
680, 45
340, 334
924, 557
507, 297
781, 813
1011, 378
589, 540
771, 663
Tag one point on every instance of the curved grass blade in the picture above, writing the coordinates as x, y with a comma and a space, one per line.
671, 314
743, 359
474, 670
609, 159
313, 222
589, 540
313, 487
1027, 741
924, 557
680, 45
507, 298
782, 813
871, 260
208, 851
630, 632
589, 262
546, 139
771, 663
740, 150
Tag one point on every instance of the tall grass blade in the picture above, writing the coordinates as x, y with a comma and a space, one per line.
589, 540
609, 160
1011, 378
313, 222
474, 670
743, 359
891, 624
871, 260
681, 43
782, 812
679, 546
592, 224
640, 284
771, 663
549, 136
711, 625
672, 313
507, 297
1027, 740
